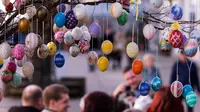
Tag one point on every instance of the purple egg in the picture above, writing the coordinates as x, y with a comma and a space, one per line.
95, 29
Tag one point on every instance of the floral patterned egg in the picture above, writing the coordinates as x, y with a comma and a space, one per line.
92, 57
31, 41
84, 45
18, 51
74, 50
59, 36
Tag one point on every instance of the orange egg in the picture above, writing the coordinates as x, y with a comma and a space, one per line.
137, 67
23, 25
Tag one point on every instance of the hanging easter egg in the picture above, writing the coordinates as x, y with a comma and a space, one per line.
165, 45
191, 99
43, 51
59, 60
29, 52
59, 36
132, 10
16, 81
68, 39
9, 7
176, 89
85, 19
5, 2
74, 50
137, 67
132, 50
77, 33
52, 48
31, 41
84, 28
31, 11
11, 66
61, 8
71, 20
149, 31
166, 32
144, 88
95, 29
28, 69
60, 20
156, 3
107, 47
156, 83
177, 12
23, 25
21, 62
42, 13
116, 10
86, 36
123, 18
18, 51
195, 34
92, 57
6, 76
80, 11
55, 28
186, 89
184, 41
1, 63
5, 50
84, 45
103, 64
191, 47
176, 39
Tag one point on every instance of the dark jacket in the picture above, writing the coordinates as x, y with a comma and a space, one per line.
183, 73
23, 109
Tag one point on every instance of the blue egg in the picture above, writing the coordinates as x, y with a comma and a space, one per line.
186, 89
177, 12
59, 60
144, 88
191, 99
156, 83
60, 20
61, 8
132, 9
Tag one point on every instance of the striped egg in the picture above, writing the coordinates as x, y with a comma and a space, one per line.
191, 99
176, 89
191, 47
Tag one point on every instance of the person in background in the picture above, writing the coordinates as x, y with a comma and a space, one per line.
149, 71
183, 71
164, 101
56, 98
98, 102
126, 93
31, 100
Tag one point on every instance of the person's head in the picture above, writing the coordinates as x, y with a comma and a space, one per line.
32, 96
82, 103
131, 79
148, 60
164, 101
98, 102
56, 98
182, 57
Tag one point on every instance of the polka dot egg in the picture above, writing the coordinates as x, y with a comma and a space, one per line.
52, 48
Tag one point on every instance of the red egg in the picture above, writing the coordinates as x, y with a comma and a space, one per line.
176, 39
9, 7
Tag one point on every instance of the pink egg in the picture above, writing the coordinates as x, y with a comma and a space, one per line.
18, 51
11, 66
59, 36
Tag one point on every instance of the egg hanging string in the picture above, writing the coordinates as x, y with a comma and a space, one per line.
189, 69
136, 17
133, 31
177, 76
51, 28
5, 31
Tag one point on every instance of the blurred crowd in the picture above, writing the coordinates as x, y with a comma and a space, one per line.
125, 98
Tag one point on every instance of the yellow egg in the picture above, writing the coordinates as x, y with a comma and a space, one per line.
107, 47
103, 63
132, 50
52, 48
